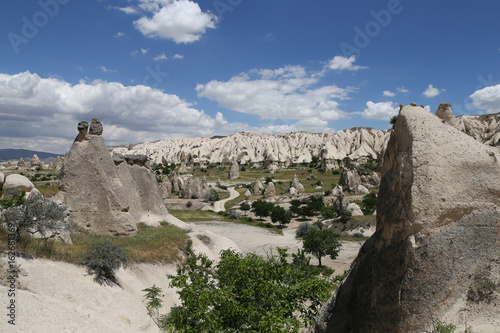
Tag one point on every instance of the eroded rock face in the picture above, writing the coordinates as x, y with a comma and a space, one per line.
351, 179
438, 222
21, 163
35, 161
270, 190
234, 172
107, 198
95, 127
257, 187
296, 184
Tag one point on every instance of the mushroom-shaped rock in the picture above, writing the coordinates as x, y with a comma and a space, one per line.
95, 127
83, 134
296, 184
444, 112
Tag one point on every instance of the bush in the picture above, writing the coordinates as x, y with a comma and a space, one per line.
211, 195
304, 229
189, 204
244, 293
103, 258
312, 176
234, 214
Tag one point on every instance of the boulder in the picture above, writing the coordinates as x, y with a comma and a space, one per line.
270, 190
354, 209
95, 127
360, 189
438, 224
234, 171
337, 190
375, 179
106, 198
350, 178
293, 190
19, 182
248, 193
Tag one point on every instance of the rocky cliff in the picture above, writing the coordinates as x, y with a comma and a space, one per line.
264, 150
438, 225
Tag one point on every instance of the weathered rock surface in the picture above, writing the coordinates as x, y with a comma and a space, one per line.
2, 180
21, 163
296, 184
351, 179
95, 127
19, 182
35, 161
165, 188
193, 189
269, 151
104, 197
438, 222
234, 171
58, 163
257, 187
270, 190
354, 209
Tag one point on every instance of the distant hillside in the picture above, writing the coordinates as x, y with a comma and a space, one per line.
15, 154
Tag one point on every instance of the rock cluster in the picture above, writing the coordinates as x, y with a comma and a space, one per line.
350, 179
438, 222
105, 195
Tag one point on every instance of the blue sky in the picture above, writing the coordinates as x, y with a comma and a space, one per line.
158, 69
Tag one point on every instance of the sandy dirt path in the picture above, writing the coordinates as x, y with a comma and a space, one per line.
261, 241
219, 205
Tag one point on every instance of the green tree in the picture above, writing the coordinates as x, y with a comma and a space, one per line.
281, 215
321, 243
211, 195
262, 208
316, 203
369, 203
245, 206
244, 293
295, 206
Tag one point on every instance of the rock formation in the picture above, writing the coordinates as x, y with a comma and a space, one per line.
19, 182
178, 183
340, 201
234, 171
270, 190
257, 187
165, 188
444, 112
296, 185
354, 209
95, 127
193, 189
35, 161
21, 163
270, 151
104, 195
351, 179
438, 223
58, 163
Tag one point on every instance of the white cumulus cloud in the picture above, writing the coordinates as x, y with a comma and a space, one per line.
487, 99
389, 93
160, 57
284, 93
431, 91
343, 63
380, 111
182, 21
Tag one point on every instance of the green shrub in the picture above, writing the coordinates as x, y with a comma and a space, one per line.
304, 229
211, 195
103, 258
234, 214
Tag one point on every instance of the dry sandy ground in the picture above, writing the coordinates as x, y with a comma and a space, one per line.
61, 297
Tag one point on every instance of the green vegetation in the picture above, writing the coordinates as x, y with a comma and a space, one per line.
318, 241
211, 195
103, 258
154, 302
48, 190
245, 294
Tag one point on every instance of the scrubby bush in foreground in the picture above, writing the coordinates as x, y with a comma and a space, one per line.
103, 258
245, 293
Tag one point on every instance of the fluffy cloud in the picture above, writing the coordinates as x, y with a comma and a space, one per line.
402, 90
182, 21
487, 99
389, 93
284, 93
343, 63
431, 91
160, 57
32, 107
380, 111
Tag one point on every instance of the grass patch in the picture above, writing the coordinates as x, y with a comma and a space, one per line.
48, 190
366, 219
154, 245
